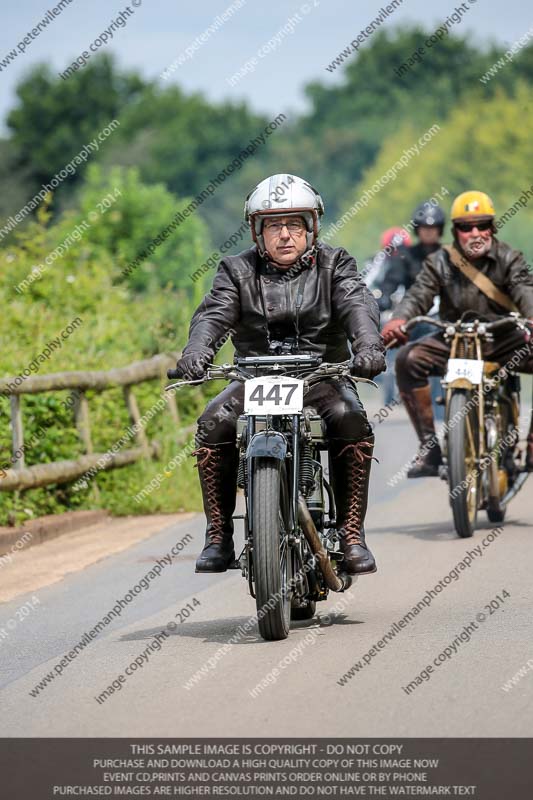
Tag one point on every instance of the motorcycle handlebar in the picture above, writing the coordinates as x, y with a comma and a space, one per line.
501, 323
233, 372
488, 326
431, 320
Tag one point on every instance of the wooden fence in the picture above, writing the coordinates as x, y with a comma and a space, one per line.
21, 477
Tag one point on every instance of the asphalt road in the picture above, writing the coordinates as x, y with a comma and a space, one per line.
411, 534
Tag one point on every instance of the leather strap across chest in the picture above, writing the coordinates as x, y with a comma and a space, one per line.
479, 279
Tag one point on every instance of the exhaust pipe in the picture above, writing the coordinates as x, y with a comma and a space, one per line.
337, 583
517, 485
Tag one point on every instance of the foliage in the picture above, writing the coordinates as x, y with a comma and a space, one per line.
473, 149
119, 326
137, 214
184, 142
347, 124
16, 182
169, 145
50, 125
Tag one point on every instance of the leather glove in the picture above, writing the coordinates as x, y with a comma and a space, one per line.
191, 366
392, 334
368, 362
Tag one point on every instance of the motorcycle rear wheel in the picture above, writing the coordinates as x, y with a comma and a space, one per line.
496, 510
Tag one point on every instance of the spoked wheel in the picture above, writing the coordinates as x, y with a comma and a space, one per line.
463, 462
272, 557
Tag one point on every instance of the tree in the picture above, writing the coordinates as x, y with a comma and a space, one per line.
136, 215
59, 269
342, 134
184, 142
55, 117
483, 144
16, 181
179, 140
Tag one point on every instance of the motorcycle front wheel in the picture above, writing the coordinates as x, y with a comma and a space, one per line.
271, 553
463, 462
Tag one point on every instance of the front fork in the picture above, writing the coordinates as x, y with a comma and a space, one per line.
475, 391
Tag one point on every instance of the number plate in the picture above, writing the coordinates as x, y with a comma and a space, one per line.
273, 396
468, 368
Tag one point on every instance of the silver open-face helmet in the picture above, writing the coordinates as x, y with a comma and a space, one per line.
283, 195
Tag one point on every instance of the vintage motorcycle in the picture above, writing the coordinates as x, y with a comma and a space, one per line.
481, 454
291, 557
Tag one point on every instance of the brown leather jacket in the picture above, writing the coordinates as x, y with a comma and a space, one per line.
255, 301
506, 268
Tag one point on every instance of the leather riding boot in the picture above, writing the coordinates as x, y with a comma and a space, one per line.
420, 409
529, 451
350, 466
217, 468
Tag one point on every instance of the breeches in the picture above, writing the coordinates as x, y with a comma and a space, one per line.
337, 402
428, 356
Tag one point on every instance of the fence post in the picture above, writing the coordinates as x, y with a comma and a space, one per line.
81, 417
17, 431
173, 408
135, 417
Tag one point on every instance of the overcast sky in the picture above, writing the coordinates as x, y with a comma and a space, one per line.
158, 31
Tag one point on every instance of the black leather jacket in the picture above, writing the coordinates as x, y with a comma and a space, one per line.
505, 267
401, 269
256, 302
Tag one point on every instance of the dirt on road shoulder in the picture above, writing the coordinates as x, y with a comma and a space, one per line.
47, 563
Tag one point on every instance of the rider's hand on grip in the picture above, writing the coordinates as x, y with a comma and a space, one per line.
191, 366
393, 334
368, 362
172, 374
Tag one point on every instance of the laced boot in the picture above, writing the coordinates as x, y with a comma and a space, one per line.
420, 409
529, 451
217, 469
350, 466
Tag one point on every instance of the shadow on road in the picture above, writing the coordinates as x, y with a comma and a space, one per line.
221, 631
445, 530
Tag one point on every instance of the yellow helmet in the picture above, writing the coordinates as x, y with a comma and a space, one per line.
472, 205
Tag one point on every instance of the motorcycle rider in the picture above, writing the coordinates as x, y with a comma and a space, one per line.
473, 232
388, 261
293, 291
428, 221
428, 224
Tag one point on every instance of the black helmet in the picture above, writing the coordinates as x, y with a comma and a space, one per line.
428, 215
